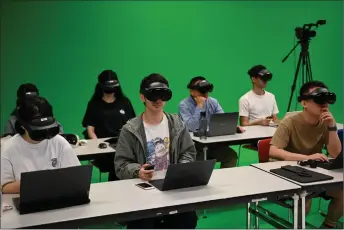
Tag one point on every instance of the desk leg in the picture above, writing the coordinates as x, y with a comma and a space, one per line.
302, 217
256, 221
205, 149
296, 206
248, 216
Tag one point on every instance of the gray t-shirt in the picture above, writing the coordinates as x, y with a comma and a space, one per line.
18, 156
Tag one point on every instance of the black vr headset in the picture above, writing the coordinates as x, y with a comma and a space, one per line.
202, 86
156, 91
320, 96
31, 94
41, 128
109, 86
265, 75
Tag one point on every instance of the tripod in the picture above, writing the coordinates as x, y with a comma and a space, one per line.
304, 60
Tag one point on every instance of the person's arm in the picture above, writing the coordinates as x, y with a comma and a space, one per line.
275, 111
279, 141
333, 144
133, 113
126, 166
68, 155
190, 119
218, 108
8, 182
187, 148
91, 132
90, 120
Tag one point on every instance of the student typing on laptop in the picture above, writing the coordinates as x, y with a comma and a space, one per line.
257, 106
190, 109
37, 146
303, 136
155, 138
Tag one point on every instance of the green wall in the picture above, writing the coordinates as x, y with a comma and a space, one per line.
63, 46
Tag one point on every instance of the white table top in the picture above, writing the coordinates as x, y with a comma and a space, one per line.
251, 132
92, 148
339, 126
117, 197
336, 174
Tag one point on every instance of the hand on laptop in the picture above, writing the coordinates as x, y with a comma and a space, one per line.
145, 174
318, 156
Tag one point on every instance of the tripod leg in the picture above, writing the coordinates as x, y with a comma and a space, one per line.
294, 81
310, 74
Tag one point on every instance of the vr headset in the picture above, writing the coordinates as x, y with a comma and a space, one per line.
202, 86
319, 96
31, 94
156, 91
109, 86
41, 128
265, 75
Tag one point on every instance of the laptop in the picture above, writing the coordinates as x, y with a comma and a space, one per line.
185, 175
53, 189
222, 124
336, 163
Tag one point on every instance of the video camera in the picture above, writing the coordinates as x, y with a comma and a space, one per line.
305, 32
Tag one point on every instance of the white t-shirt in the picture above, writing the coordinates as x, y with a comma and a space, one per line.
256, 106
18, 156
158, 144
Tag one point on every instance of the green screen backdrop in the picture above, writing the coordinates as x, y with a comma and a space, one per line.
63, 46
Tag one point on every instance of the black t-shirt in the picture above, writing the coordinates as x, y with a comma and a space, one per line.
108, 118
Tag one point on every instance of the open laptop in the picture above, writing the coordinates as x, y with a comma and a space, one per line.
222, 124
185, 175
53, 189
336, 163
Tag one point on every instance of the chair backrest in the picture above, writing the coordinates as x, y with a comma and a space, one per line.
340, 135
263, 150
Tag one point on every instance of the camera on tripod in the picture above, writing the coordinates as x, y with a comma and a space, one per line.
305, 32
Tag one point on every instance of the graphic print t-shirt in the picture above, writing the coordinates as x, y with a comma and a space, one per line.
158, 143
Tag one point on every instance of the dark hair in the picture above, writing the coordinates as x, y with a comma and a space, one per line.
104, 76
196, 79
151, 78
255, 70
21, 93
311, 84
31, 108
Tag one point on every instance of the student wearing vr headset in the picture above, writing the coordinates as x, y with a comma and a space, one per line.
37, 146
107, 111
158, 139
24, 91
190, 109
303, 136
258, 107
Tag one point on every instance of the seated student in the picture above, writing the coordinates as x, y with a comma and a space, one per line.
155, 138
32, 150
303, 136
190, 109
107, 111
24, 90
257, 106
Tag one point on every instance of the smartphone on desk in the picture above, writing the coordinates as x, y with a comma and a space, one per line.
144, 186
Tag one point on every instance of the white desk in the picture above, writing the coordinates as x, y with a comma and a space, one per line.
91, 149
337, 180
251, 133
336, 174
122, 200
339, 126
